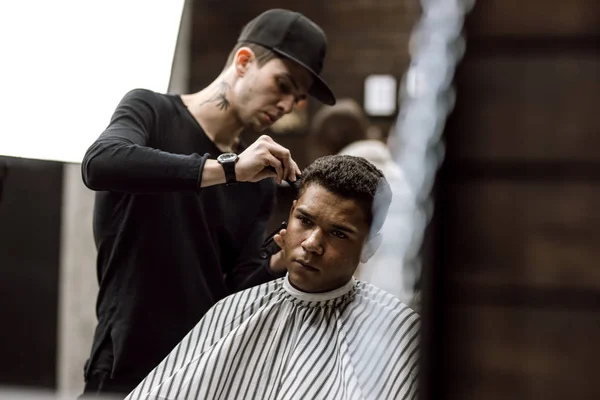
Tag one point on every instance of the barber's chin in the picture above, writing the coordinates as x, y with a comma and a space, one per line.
257, 126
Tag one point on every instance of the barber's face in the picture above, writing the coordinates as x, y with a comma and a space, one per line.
266, 93
324, 240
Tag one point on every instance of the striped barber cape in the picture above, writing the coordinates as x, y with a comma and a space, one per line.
275, 342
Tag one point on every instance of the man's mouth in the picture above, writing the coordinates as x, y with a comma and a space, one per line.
306, 265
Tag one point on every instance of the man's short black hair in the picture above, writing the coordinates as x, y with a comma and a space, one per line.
352, 178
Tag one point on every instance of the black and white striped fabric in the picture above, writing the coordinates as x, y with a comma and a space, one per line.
275, 342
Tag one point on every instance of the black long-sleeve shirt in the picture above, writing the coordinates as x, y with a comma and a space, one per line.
167, 250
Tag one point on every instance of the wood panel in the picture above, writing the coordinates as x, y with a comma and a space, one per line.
516, 284
506, 353
364, 37
524, 234
527, 107
535, 18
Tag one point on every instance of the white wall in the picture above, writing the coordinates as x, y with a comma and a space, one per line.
67, 63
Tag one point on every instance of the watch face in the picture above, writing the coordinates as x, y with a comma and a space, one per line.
227, 157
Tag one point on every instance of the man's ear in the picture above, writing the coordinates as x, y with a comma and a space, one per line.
370, 248
292, 208
243, 59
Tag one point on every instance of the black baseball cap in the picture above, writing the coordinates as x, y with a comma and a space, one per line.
294, 36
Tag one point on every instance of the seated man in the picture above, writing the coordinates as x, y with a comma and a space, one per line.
316, 333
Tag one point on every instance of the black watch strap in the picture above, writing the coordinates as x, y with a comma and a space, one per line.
229, 168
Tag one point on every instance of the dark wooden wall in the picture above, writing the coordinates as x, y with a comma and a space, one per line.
30, 220
364, 38
517, 280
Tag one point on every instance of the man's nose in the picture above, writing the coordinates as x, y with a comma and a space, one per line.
314, 242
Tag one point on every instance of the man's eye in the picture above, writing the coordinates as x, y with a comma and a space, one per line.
339, 234
304, 220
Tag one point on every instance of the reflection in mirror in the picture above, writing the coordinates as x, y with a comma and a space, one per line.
427, 98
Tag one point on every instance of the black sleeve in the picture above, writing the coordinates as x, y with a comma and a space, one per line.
120, 159
250, 269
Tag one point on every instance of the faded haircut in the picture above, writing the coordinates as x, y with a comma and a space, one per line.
261, 53
352, 178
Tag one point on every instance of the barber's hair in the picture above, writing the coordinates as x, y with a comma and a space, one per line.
352, 178
261, 53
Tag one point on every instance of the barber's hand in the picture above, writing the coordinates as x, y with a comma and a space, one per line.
265, 159
278, 260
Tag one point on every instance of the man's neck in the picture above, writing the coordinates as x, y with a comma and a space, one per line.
212, 109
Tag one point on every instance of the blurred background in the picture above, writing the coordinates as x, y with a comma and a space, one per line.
484, 116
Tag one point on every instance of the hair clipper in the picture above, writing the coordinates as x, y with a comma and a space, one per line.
269, 246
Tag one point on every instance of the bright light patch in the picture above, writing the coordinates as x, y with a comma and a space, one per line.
67, 63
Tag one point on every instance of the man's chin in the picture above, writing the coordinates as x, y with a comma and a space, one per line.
305, 281
299, 280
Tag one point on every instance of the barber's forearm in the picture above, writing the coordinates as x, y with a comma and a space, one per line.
212, 174
125, 167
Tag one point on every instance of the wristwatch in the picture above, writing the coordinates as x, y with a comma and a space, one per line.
228, 160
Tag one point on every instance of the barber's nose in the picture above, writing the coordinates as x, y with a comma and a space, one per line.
287, 104
314, 242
